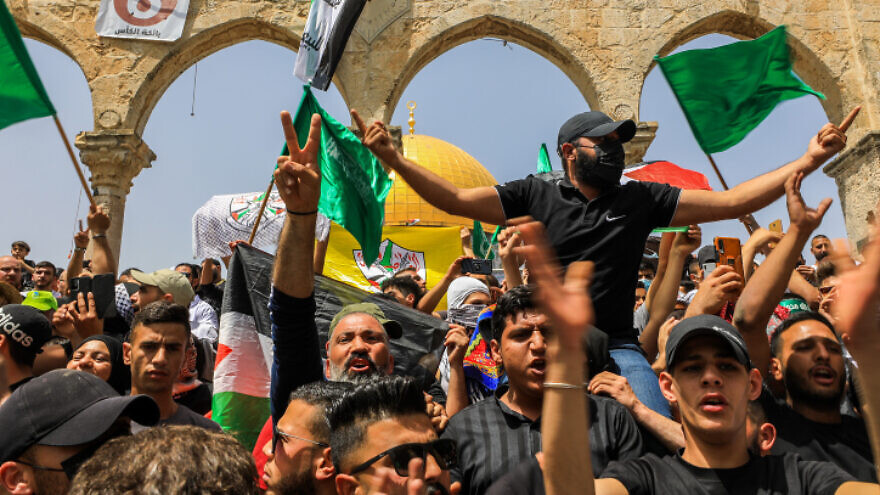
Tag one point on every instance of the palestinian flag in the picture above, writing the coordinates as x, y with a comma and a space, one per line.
242, 373
244, 353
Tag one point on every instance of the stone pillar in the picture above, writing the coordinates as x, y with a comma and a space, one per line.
857, 174
638, 146
114, 158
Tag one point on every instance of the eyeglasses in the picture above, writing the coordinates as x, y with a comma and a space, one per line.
278, 435
443, 450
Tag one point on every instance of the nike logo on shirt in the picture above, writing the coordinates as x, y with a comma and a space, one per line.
609, 218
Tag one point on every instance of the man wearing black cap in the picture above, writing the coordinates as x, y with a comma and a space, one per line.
23, 331
590, 216
52, 424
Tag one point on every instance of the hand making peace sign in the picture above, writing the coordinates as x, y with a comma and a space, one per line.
298, 175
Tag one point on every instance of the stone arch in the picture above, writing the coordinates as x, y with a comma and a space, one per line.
201, 46
805, 62
34, 32
499, 27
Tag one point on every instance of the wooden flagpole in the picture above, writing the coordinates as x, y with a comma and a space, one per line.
82, 178
262, 209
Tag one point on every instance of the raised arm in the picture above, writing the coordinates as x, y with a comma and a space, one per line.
759, 242
696, 206
297, 356
859, 325
666, 293
80, 243
508, 240
298, 178
768, 283
480, 203
103, 260
431, 298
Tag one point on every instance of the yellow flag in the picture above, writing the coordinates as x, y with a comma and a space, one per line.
430, 250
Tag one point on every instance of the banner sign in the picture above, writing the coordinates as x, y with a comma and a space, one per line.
160, 20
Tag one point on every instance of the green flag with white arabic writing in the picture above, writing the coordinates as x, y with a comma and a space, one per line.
22, 95
479, 243
725, 92
544, 160
353, 183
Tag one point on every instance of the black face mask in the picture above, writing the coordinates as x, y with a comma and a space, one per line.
605, 169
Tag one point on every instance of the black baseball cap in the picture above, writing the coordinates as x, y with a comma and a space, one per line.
594, 124
707, 254
26, 326
696, 326
66, 408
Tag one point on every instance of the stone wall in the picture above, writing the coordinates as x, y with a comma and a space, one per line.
604, 46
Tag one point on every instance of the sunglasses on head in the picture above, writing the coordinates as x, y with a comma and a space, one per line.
443, 450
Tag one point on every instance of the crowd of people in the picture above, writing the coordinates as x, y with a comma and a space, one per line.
587, 368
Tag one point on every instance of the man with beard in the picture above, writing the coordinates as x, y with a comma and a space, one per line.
298, 457
382, 441
589, 215
804, 354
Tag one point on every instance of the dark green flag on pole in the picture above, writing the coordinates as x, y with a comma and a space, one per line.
353, 183
22, 95
726, 92
544, 159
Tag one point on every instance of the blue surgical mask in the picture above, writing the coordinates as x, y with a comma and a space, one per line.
646, 282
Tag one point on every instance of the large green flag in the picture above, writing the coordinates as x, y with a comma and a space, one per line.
726, 92
544, 160
353, 183
22, 95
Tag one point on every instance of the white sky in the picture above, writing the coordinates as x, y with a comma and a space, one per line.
498, 103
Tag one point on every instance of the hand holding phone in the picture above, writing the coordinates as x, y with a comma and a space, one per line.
476, 265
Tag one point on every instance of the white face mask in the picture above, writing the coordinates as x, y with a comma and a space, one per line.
466, 315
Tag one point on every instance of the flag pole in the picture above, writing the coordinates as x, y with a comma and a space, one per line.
262, 209
724, 184
82, 178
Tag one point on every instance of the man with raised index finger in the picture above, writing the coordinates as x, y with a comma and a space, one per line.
589, 215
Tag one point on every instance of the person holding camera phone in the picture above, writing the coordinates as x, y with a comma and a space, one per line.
589, 215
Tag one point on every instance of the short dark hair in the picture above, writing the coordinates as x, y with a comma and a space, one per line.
405, 268
47, 264
188, 265
825, 269
818, 236
647, 266
161, 312
21, 355
367, 403
516, 300
127, 271
21, 244
405, 284
171, 459
791, 321
320, 394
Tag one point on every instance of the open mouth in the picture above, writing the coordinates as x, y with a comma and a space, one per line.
823, 375
713, 403
538, 366
359, 365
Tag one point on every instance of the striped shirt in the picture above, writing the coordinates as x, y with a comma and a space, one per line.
493, 439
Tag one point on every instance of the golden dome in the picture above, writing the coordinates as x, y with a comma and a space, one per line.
403, 206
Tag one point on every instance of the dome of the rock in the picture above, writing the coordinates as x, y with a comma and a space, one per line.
404, 207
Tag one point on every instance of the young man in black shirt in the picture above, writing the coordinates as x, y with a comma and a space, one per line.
590, 216
805, 356
709, 378
496, 434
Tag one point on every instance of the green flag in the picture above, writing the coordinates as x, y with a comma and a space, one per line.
543, 160
492, 242
353, 183
22, 95
479, 243
726, 92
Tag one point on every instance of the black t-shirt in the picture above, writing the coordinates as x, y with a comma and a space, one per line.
771, 475
610, 231
845, 444
184, 416
526, 479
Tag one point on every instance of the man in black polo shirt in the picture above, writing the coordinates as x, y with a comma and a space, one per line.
496, 434
590, 216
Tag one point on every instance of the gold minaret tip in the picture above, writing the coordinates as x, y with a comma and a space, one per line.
412, 120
